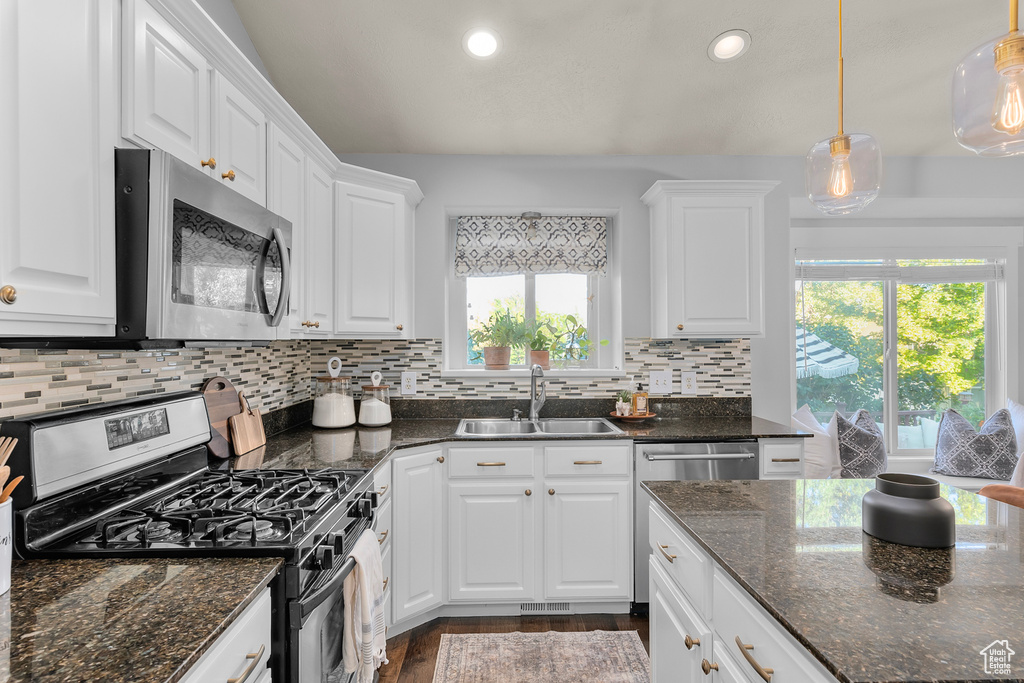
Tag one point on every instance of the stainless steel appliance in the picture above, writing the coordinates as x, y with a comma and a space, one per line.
680, 462
195, 259
131, 479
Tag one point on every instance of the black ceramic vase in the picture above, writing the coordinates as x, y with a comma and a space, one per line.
907, 509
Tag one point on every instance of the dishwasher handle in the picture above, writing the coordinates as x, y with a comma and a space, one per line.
700, 456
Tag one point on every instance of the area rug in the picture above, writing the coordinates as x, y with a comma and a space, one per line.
552, 657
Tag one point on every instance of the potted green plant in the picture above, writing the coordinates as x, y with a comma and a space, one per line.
623, 402
497, 336
573, 341
539, 345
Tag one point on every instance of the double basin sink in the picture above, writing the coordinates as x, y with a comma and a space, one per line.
550, 426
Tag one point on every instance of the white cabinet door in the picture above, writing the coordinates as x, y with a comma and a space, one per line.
587, 540
57, 133
239, 141
707, 258
679, 639
166, 98
373, 260
492, 538
319, 276
286, 196
418, 521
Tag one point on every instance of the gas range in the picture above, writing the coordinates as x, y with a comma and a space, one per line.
132, 479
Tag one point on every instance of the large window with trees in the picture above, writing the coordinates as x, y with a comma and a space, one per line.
905, 339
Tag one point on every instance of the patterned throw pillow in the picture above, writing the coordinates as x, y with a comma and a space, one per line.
861, 446
963, 452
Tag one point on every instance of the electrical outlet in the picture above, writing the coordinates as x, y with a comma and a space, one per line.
408, 383
689, 383
660, 382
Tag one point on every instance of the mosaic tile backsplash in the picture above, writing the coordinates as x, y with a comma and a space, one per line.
43, 380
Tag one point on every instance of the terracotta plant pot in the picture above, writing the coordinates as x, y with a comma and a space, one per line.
497, 357
541, 358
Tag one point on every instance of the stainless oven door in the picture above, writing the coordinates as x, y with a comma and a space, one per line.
219, 266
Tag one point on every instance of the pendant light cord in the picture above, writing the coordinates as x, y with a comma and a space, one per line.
841, 65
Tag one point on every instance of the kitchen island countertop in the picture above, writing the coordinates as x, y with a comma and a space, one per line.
121, 619
869, 610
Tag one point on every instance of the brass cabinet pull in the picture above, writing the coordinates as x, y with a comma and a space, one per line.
490, 464
211, 162
690, 642
707, 667
440, 458
764, 672
383, 537
8, 294
679, 326
399, 327
587, 462
670, 558
386, 579
785, 459
255, 657
230, 175
382, 490
529, 492
311, 323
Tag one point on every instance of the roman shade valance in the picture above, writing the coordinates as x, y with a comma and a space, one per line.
503, 245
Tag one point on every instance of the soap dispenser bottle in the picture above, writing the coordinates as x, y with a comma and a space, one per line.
639, 400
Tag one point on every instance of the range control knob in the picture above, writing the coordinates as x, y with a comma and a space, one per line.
335, 540
324, 557
364, 508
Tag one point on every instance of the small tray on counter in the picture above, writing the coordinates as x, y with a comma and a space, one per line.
634, 418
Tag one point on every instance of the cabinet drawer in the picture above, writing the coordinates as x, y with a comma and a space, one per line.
782, 458
680, 639
382, 525
737, 615
382, 483
597, 459
685, 563
490, 462
229, 656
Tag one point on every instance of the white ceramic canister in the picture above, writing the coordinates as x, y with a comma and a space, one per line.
375, 405
333, 406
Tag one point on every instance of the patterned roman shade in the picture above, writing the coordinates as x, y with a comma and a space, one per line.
503, 245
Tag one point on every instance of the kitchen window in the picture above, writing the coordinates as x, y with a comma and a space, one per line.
551, 274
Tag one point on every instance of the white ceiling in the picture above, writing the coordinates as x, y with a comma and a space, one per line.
617, 76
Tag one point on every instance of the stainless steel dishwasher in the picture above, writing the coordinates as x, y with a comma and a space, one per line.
680, 462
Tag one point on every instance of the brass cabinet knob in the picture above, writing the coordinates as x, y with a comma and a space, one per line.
316, 324
8, 294
211, 162
440, 458
551, 492
690, 642
311, 323
679, 326
398, 327
707, 667
230, 175
529, 492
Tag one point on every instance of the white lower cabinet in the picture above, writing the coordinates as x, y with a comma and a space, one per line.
492, 538
242, 652
782, 458
418, 522
679, 639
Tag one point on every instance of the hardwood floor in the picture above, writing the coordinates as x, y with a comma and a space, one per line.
412, 654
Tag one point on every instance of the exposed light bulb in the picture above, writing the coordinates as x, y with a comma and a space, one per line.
840, 181
1008, 115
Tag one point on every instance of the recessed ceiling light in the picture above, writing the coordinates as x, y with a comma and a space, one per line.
481, 43
729, 45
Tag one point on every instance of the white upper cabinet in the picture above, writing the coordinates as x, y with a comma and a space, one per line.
286, 196
58, 131
166, 98
318, 301
239, 141
707, 258
374, 262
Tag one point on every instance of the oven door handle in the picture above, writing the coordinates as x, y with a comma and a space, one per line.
286, 279
701, 456
303, 607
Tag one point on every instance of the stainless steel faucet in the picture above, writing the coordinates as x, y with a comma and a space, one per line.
537, 401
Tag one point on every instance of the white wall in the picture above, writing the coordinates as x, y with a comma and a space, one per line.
917, 190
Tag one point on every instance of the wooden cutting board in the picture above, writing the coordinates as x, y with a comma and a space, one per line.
246, 427
221, 404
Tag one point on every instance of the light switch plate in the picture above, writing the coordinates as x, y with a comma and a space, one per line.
408, 383
689, 383
660, 382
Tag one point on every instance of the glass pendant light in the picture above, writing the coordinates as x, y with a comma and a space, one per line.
843, 172
988, 95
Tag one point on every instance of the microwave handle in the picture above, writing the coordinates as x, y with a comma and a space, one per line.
286, 279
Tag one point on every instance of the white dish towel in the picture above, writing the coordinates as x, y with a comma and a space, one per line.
365, 646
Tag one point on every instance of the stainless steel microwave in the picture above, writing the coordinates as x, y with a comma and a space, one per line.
196, 261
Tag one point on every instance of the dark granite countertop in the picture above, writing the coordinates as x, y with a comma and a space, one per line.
119, 619
358, 447
869, 610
